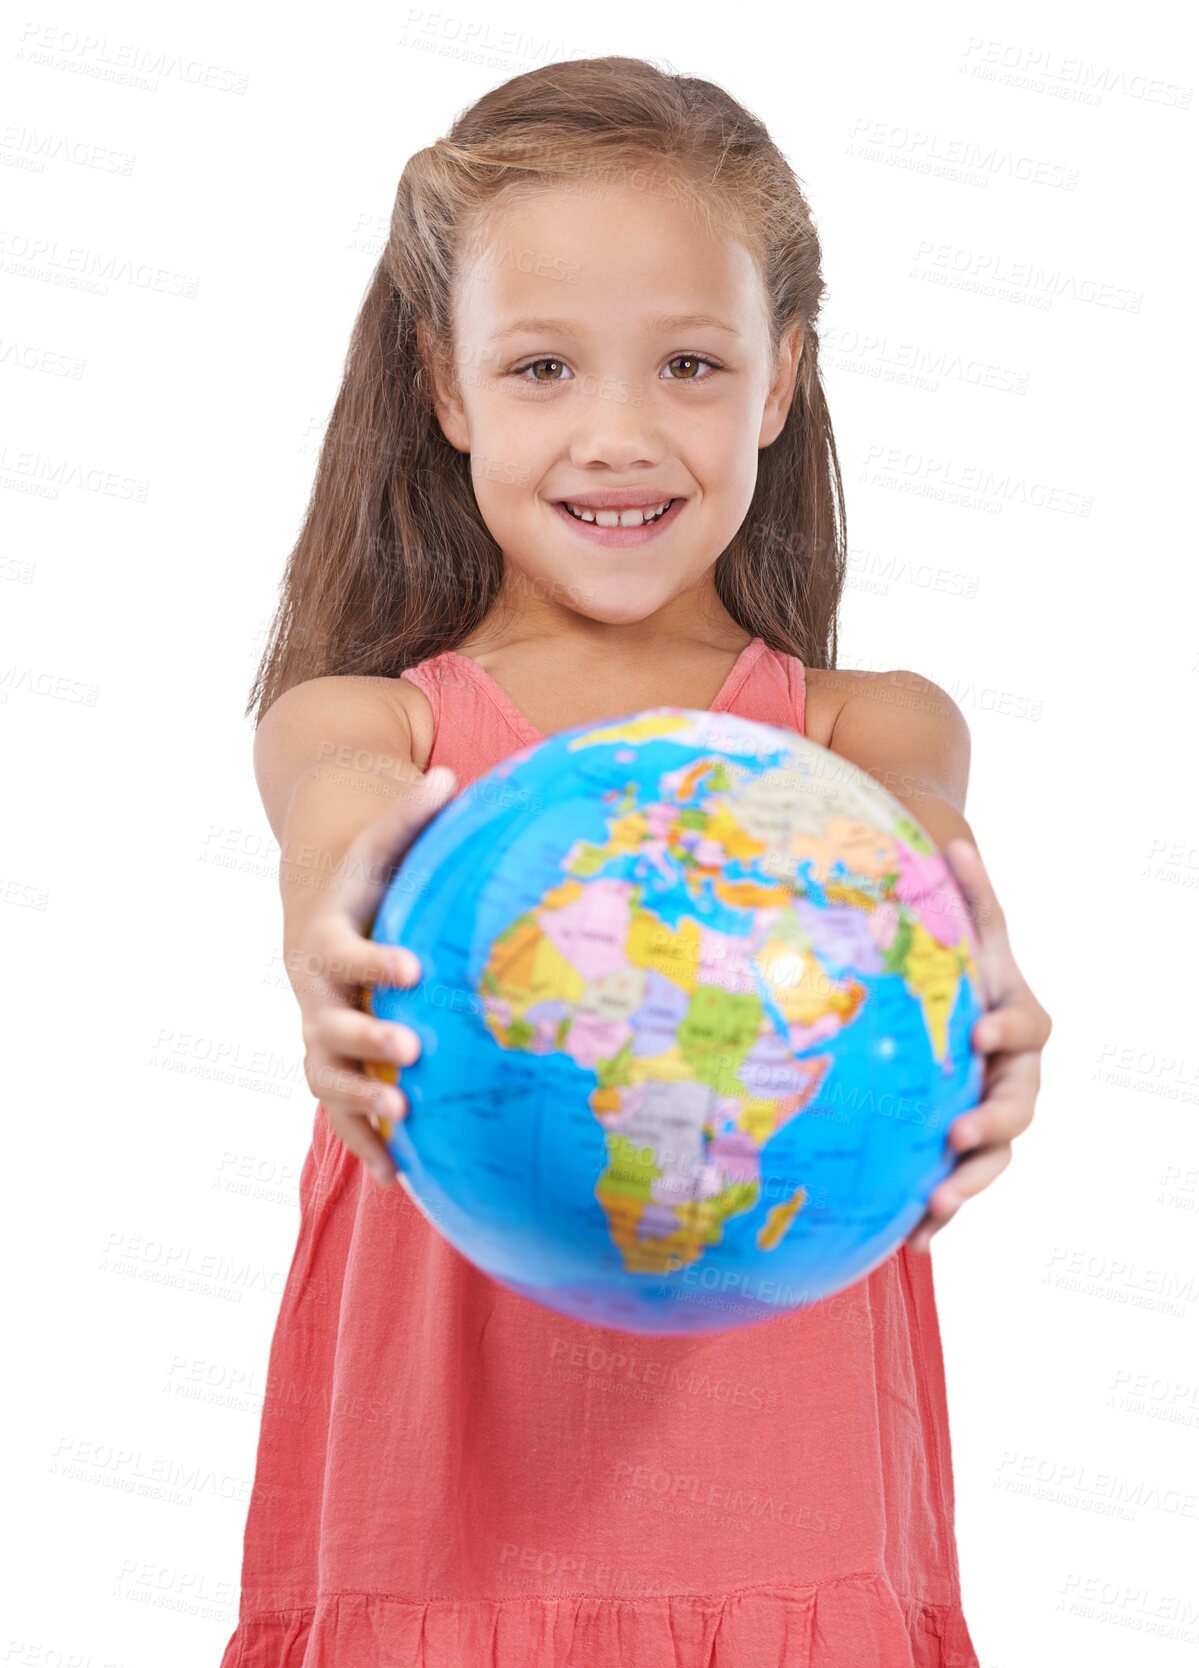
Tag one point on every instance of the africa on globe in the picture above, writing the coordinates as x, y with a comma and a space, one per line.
695, 1010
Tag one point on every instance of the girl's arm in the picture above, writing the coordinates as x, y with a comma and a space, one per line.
329, 755
333, 762
907, 733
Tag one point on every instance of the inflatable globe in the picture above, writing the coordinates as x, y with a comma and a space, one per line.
695, 1009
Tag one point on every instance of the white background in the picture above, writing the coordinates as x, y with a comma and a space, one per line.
193, 203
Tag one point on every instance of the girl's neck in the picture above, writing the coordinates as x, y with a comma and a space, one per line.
561, 636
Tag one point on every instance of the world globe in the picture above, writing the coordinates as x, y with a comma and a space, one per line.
695, 1008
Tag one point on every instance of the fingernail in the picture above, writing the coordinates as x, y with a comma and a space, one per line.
441, 779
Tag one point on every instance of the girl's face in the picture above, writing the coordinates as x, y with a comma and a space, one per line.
585, 367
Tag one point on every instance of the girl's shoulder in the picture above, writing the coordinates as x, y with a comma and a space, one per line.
351, 710
903, 729
326, 722
824, 697
410, 701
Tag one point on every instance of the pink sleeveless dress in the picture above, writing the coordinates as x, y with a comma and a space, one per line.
450, 1476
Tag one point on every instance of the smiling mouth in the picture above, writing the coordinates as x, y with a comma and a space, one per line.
619, 518
625, 529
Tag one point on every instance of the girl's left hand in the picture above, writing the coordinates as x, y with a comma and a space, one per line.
1013, 1031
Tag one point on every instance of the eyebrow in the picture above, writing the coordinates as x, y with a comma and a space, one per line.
665, 321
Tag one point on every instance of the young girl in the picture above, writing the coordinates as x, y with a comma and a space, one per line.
580, 465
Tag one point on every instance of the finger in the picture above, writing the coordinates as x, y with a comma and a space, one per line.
1013, 1026
355, 1035
1006, 1109
355, 1132
968, 1177
1001, 1116
345, 1086
372, 855
338, 953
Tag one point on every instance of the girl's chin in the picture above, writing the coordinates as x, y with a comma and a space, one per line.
608, 599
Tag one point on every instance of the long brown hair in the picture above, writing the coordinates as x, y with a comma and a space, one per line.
394, 563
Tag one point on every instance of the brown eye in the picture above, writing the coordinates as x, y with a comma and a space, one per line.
532, 366
694, 359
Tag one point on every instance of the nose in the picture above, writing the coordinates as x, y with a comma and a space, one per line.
614, 425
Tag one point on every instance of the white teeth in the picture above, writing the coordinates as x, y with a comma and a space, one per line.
619, 518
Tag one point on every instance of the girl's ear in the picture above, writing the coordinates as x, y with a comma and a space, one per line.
791, 367
447, 404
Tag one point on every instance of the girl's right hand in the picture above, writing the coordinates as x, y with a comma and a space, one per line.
332, 958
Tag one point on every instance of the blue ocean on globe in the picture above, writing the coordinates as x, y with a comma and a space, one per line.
695, 1009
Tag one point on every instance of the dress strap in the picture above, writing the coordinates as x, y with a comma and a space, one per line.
471, 733
773, 690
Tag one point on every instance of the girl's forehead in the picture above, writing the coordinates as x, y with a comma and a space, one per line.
558, 254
